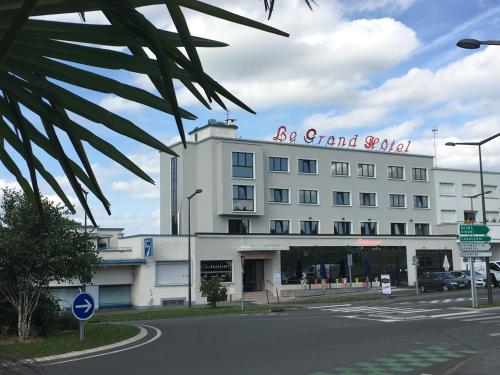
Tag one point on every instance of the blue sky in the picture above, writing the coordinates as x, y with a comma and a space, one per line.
384, 67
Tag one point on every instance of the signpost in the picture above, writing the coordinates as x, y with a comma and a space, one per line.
83, 309
148, 247
415, 263
474, 243
386, 284
349, 264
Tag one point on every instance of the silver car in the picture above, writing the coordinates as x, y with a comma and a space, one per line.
465, 274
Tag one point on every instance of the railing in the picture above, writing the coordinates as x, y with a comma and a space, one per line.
114, 249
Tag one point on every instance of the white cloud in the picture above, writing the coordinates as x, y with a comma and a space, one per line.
149, 162
374, 5
137, 188
360, 117
115, 103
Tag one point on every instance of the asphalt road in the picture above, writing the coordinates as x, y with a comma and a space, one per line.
430, 335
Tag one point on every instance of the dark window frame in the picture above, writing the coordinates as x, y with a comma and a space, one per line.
392, 200
303, 193
401, 225
418, 172
304, 229
274, 161
417, 200
272, 195
242, 162
366, 170
309, 162
372, 231
346, 228
272, 228
336, 194
362, 199
420, 231
344, 167
395, 172
244, 227
245, 196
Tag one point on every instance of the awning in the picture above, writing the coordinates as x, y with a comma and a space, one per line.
245, 248
122, 262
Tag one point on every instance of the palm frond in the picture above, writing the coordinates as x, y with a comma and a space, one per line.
40, 58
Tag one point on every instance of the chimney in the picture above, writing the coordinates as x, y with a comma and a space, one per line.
231, 121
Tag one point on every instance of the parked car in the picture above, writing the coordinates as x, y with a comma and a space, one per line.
465, 274
441, 281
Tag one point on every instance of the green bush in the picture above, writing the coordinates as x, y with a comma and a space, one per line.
213, 291
67, 322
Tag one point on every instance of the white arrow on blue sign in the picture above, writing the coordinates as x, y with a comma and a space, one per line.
83, 306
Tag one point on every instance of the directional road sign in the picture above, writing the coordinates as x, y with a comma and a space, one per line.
83, 306
475, 238
474, 254
475, 246
474, 229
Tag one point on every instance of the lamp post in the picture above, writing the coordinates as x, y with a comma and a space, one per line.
475, 44
483, 203
472, 204
198, 191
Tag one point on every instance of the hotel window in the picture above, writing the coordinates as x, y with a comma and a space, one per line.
172, 273
341, 198
470, 216
307, 166
468, 190
395, 173
421, 201
368, 228
446, 188
397, 200
448, 216
419, 174
339, 168
238, 226
243, 198
491, 216
243, 164
366, 170
279, 195
173, 196
309, 227
422, 229
308, 196
278, 164
367, 199
280, 226
341, 227
398, 229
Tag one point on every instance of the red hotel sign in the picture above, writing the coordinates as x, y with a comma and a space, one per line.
370, 142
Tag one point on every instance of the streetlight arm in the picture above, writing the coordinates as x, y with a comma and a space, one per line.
490, 138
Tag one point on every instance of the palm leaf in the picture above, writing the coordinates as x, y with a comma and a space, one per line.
39, 59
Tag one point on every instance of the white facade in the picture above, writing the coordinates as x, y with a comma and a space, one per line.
295, 223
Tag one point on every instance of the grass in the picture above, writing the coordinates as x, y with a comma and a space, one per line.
180, 313
69, 341
486, 306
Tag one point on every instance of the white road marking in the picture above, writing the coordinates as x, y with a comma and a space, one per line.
156, 337
329, 306
454, 314
463, 315
495, 334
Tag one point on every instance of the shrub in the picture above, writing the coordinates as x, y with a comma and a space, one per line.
46, 314
214, 291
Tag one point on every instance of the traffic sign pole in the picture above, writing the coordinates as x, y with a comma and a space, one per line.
83, 309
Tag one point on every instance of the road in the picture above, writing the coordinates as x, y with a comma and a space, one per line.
425, 336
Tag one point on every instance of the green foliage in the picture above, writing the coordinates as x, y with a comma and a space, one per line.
40, 58
213, 291
36, 250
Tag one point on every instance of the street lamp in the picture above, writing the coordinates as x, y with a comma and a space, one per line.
198, 191
483, 203
475, 196
475, 44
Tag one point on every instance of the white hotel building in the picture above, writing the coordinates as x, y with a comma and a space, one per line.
292, 212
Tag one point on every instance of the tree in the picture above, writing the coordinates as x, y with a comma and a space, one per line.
40, 58
213, 291
37, 249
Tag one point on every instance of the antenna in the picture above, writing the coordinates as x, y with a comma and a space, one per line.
434, 131
227, 115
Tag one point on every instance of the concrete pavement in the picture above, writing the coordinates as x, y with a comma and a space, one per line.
366, 337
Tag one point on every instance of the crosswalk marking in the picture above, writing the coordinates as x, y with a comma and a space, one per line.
446, 300
390, 314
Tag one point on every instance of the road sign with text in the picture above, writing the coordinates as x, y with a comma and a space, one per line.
474, 229
475, 254
475, 238
475, 246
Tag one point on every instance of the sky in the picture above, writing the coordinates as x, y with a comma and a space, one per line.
389, 68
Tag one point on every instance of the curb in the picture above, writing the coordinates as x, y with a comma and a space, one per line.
142, 333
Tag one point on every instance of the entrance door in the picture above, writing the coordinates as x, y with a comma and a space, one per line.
253, 278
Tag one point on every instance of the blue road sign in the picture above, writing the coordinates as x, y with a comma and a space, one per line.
148, 247
83, 306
